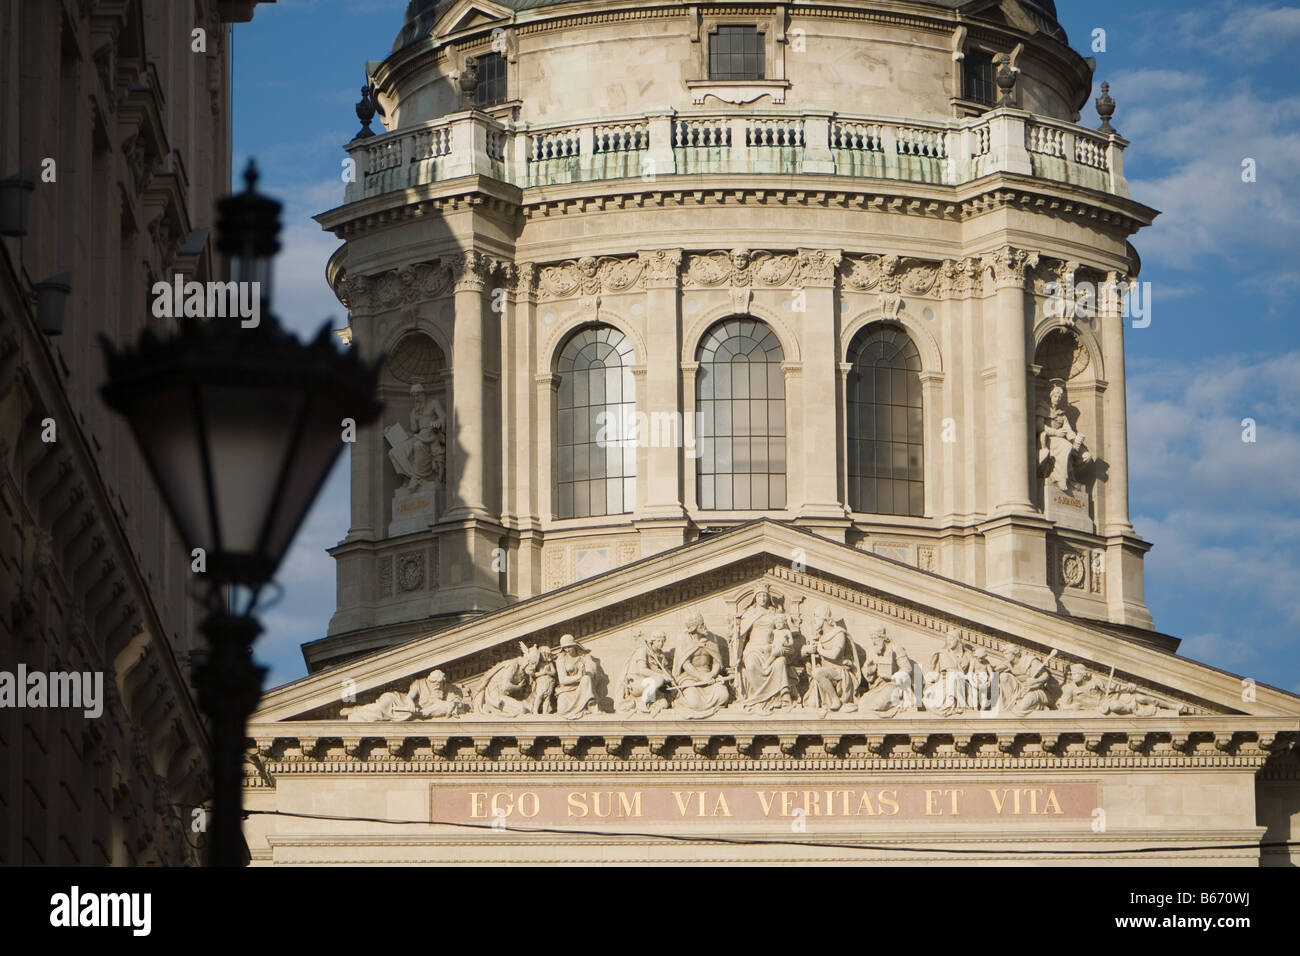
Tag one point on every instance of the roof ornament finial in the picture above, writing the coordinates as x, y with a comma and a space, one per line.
1005, 77
367, 108
468, 80
1105, 108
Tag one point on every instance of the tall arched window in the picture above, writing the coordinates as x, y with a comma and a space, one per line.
740, 400
885, 432
595, 414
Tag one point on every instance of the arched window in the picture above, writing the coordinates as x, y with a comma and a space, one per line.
595, 415
885, 431
740, 401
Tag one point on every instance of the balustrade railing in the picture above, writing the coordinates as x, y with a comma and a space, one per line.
738, 141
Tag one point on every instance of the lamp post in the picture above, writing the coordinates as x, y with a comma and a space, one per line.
239, 428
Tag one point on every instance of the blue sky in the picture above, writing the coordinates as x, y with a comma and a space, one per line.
1199, 86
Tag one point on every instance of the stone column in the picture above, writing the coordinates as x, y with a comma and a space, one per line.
1121, 570
527, 451
473, 533
1115, 420
820, 413
659, 514
467, 444
1016, 535
1013, 440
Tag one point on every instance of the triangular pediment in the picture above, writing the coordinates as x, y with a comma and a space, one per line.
469, 14
1075, 668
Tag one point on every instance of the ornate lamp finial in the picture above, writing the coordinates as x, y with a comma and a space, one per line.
1105, 108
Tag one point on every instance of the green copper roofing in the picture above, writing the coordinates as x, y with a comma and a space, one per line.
421, 15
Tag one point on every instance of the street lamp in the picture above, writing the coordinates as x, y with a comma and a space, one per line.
239, 428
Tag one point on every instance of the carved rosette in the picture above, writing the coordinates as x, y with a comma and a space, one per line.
1009, 266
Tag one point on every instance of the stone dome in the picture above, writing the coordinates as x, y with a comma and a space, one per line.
421, 15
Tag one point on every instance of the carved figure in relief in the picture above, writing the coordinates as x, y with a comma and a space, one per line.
1022, 685
420, 456
906, 678
766, 663
427, 698
508, 689
647, 678
702, 686
981, 687
833, 662
742, 626
1061, 450
1080, 690
544, 682
1127, 700
576, 674
950, 671
882, 695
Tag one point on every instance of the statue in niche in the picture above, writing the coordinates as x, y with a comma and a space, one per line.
508, 689
1061, 450
428, 698
1023, 684
833, 663
701, 683
647, 678
421, 455
576, 677
950, 670
1080, 690
766, 665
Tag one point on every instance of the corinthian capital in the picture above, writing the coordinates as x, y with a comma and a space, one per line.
660, 267
1009, 266
470, 271
817, 267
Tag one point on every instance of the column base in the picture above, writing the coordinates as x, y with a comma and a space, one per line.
1015, 559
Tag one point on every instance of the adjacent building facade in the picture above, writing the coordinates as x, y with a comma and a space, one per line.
116, 119
755, 464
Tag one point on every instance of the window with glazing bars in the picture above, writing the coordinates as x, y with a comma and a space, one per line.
491, 87
740, 401
977, 77
884, 423
595, 439
736, 53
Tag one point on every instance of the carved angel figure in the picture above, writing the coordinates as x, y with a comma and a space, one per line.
1060, 448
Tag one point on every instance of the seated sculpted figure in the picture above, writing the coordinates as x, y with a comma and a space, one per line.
576, 673
647, 676
1022, 685
428, 698
769, 685
508, 688
834, 669
881, 693
702, 688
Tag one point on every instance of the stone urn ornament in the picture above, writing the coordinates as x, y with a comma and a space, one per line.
468, 79
367, 107
1005, 77
1105, 108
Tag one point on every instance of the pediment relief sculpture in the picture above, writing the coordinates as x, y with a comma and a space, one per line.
776, 661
